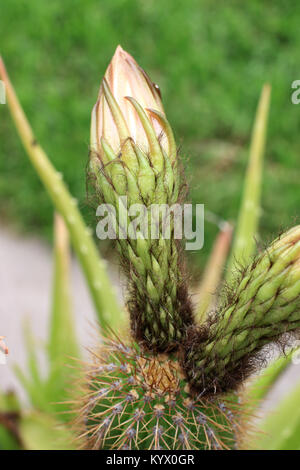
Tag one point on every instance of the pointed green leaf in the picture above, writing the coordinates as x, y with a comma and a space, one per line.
244, 239
280, 430
40, 431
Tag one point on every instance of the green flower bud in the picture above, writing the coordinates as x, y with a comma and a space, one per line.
133, 154
120, 115
262, 306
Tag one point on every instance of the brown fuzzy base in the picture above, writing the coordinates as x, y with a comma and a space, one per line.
236, 372
183, 310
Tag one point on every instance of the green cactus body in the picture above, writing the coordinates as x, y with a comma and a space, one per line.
135, 401
147, 174
263, 306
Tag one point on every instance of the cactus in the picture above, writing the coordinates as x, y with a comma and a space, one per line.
139, 162
134, 400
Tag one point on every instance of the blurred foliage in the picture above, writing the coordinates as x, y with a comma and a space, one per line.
47, 391
9, 414
210, 59
40, 431
280, 430
43, 425
250, 208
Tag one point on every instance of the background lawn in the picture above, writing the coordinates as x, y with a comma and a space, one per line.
210, 59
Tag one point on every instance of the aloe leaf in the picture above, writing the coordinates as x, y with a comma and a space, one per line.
39, 431
35, 392
63, 349
7, 440
62, 328
213, 272
246, 229
260, 386
9, 406
107, 307
47, 393
32, 360
32, 381
280, 430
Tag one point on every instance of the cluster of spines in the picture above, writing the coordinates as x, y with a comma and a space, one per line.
135, 401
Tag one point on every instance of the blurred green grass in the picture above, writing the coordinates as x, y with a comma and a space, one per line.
210, 59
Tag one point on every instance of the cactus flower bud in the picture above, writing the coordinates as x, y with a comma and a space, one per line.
133, 154
126, 99
263, 306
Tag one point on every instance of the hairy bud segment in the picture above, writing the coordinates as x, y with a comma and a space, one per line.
133, 154
263, 306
